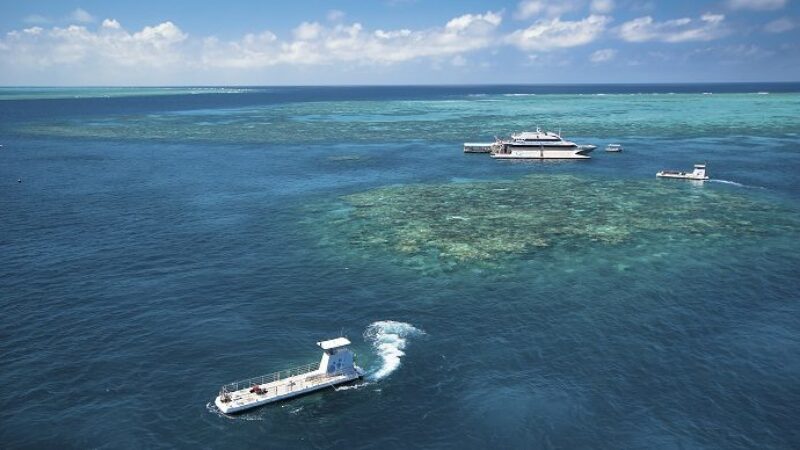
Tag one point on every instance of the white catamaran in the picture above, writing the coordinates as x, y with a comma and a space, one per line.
539, 145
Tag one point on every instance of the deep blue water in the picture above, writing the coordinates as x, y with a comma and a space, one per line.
159, 246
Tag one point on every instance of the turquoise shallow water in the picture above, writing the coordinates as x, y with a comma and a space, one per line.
451, 119
159, 246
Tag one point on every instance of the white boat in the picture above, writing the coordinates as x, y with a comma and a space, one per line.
478, 147
539, 145
614, 148
337, 366
698, 174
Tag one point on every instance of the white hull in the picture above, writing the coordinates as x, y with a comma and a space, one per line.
687, 176
542, 154
473, 147
284, 389
698, 174
337, 366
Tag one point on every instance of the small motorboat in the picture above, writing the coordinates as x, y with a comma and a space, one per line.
337, 366
614, 148
698, 174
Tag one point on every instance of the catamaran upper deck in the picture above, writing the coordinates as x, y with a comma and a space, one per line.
537, 135
539, 138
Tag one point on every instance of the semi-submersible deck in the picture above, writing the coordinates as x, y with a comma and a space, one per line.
336, 367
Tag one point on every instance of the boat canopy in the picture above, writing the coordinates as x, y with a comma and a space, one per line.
334, 343
538, 135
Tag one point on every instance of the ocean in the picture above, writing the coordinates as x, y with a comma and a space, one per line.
156, 243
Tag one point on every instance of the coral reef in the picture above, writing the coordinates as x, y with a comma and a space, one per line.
484, 221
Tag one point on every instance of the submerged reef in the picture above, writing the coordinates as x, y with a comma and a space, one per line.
487, 220
450, 120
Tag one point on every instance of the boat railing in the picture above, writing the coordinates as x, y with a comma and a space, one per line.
269, 378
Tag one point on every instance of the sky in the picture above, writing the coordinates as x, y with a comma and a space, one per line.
347, 42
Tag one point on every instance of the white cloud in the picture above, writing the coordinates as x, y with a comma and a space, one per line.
545, 35
307, 31
109, 45
160, 36
779, 25
167, 47
603, 55
527, 9
602, 6
33, 31
80, 16
468, 20
107, 51
550, 8
335, 15
643, 29
315, 44
111, 24
758, 5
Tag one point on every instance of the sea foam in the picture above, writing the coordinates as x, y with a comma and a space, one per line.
389, 338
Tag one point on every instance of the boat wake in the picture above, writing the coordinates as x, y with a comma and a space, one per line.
350, 386
733, 183
389, 338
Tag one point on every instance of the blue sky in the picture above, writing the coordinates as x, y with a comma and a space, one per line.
397, 42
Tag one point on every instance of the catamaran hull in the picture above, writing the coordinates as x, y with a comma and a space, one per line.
513, 156
521, 152
546, 154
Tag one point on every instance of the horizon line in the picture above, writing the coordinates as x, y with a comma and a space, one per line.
660, 83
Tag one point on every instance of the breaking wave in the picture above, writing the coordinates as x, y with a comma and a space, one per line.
389, 338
